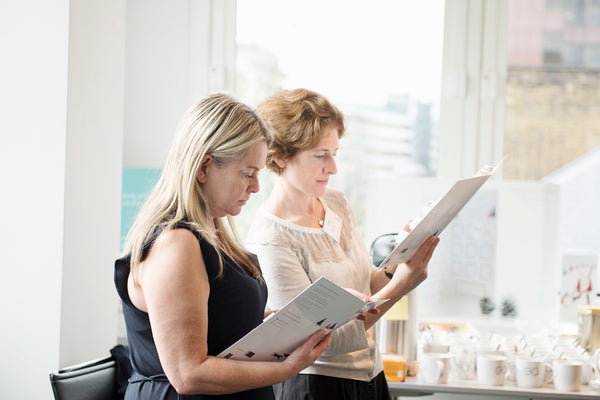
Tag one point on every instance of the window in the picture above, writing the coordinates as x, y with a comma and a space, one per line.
553, 48
552, 136
517, 79
379, 63
551, 106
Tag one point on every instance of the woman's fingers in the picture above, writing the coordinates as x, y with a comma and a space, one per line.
322, 344
431, 248
425, 252
431, 244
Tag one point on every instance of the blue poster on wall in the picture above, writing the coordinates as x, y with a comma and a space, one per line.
137, 185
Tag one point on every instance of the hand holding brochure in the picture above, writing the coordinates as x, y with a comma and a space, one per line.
323, 305
438, 216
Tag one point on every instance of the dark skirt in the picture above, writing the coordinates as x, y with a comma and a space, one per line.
320, 387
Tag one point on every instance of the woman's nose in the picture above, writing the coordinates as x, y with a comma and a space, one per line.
331, 167
255, 185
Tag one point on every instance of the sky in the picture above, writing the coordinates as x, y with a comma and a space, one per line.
352, 51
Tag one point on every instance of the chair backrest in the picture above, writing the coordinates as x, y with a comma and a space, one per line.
94, 380
382, 246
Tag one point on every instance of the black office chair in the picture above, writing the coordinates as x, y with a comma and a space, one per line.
94, 380
381, 246
103, 379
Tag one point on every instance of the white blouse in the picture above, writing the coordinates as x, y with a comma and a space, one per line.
292, 257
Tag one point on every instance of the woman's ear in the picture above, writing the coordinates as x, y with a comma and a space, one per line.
202, 174
280, 162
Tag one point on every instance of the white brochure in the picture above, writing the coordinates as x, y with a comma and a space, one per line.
438, 216
323, 305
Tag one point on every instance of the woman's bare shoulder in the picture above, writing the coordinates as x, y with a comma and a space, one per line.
177, 246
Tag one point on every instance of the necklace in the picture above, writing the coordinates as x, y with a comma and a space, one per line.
319, 221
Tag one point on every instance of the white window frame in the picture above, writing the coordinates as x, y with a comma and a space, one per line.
473, 86
212, 47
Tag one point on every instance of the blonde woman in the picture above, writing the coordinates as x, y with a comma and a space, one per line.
305, 231
189, 288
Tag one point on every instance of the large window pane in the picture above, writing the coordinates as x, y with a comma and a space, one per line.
379, 62
552, 130
553, 81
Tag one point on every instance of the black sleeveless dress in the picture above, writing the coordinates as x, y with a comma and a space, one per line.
235, 306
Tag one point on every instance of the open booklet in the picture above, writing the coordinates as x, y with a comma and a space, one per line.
438, 216
323, 305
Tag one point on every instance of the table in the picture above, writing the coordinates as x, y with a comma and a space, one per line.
411, 388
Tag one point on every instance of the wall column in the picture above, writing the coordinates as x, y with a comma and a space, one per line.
61, 132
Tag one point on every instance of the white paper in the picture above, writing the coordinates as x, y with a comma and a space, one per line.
438, 216
323, 305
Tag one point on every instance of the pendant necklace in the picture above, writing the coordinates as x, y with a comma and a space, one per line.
321, 222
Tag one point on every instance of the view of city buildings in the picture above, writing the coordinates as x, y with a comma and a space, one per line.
553, 85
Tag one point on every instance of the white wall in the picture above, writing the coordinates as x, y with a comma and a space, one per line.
60, 155
33, 112
176, 52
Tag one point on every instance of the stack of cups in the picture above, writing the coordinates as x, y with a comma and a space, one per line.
492, 369
464, 357
434, 358
492, 365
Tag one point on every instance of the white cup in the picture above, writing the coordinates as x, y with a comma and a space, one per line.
567, 375
587, 369
434, 367
532, 372
491, 369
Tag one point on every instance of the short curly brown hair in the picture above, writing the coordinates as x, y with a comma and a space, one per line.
298, 119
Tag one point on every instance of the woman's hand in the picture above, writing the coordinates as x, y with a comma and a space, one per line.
312, 349
409, 275
364, 298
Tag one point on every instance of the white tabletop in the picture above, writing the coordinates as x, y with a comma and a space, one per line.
411, 387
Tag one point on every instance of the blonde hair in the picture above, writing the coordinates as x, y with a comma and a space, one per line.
218, 126
299, 119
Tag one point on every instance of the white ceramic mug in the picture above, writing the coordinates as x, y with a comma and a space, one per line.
587, 368
434, 367
532, 372
567, 375
491, 369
